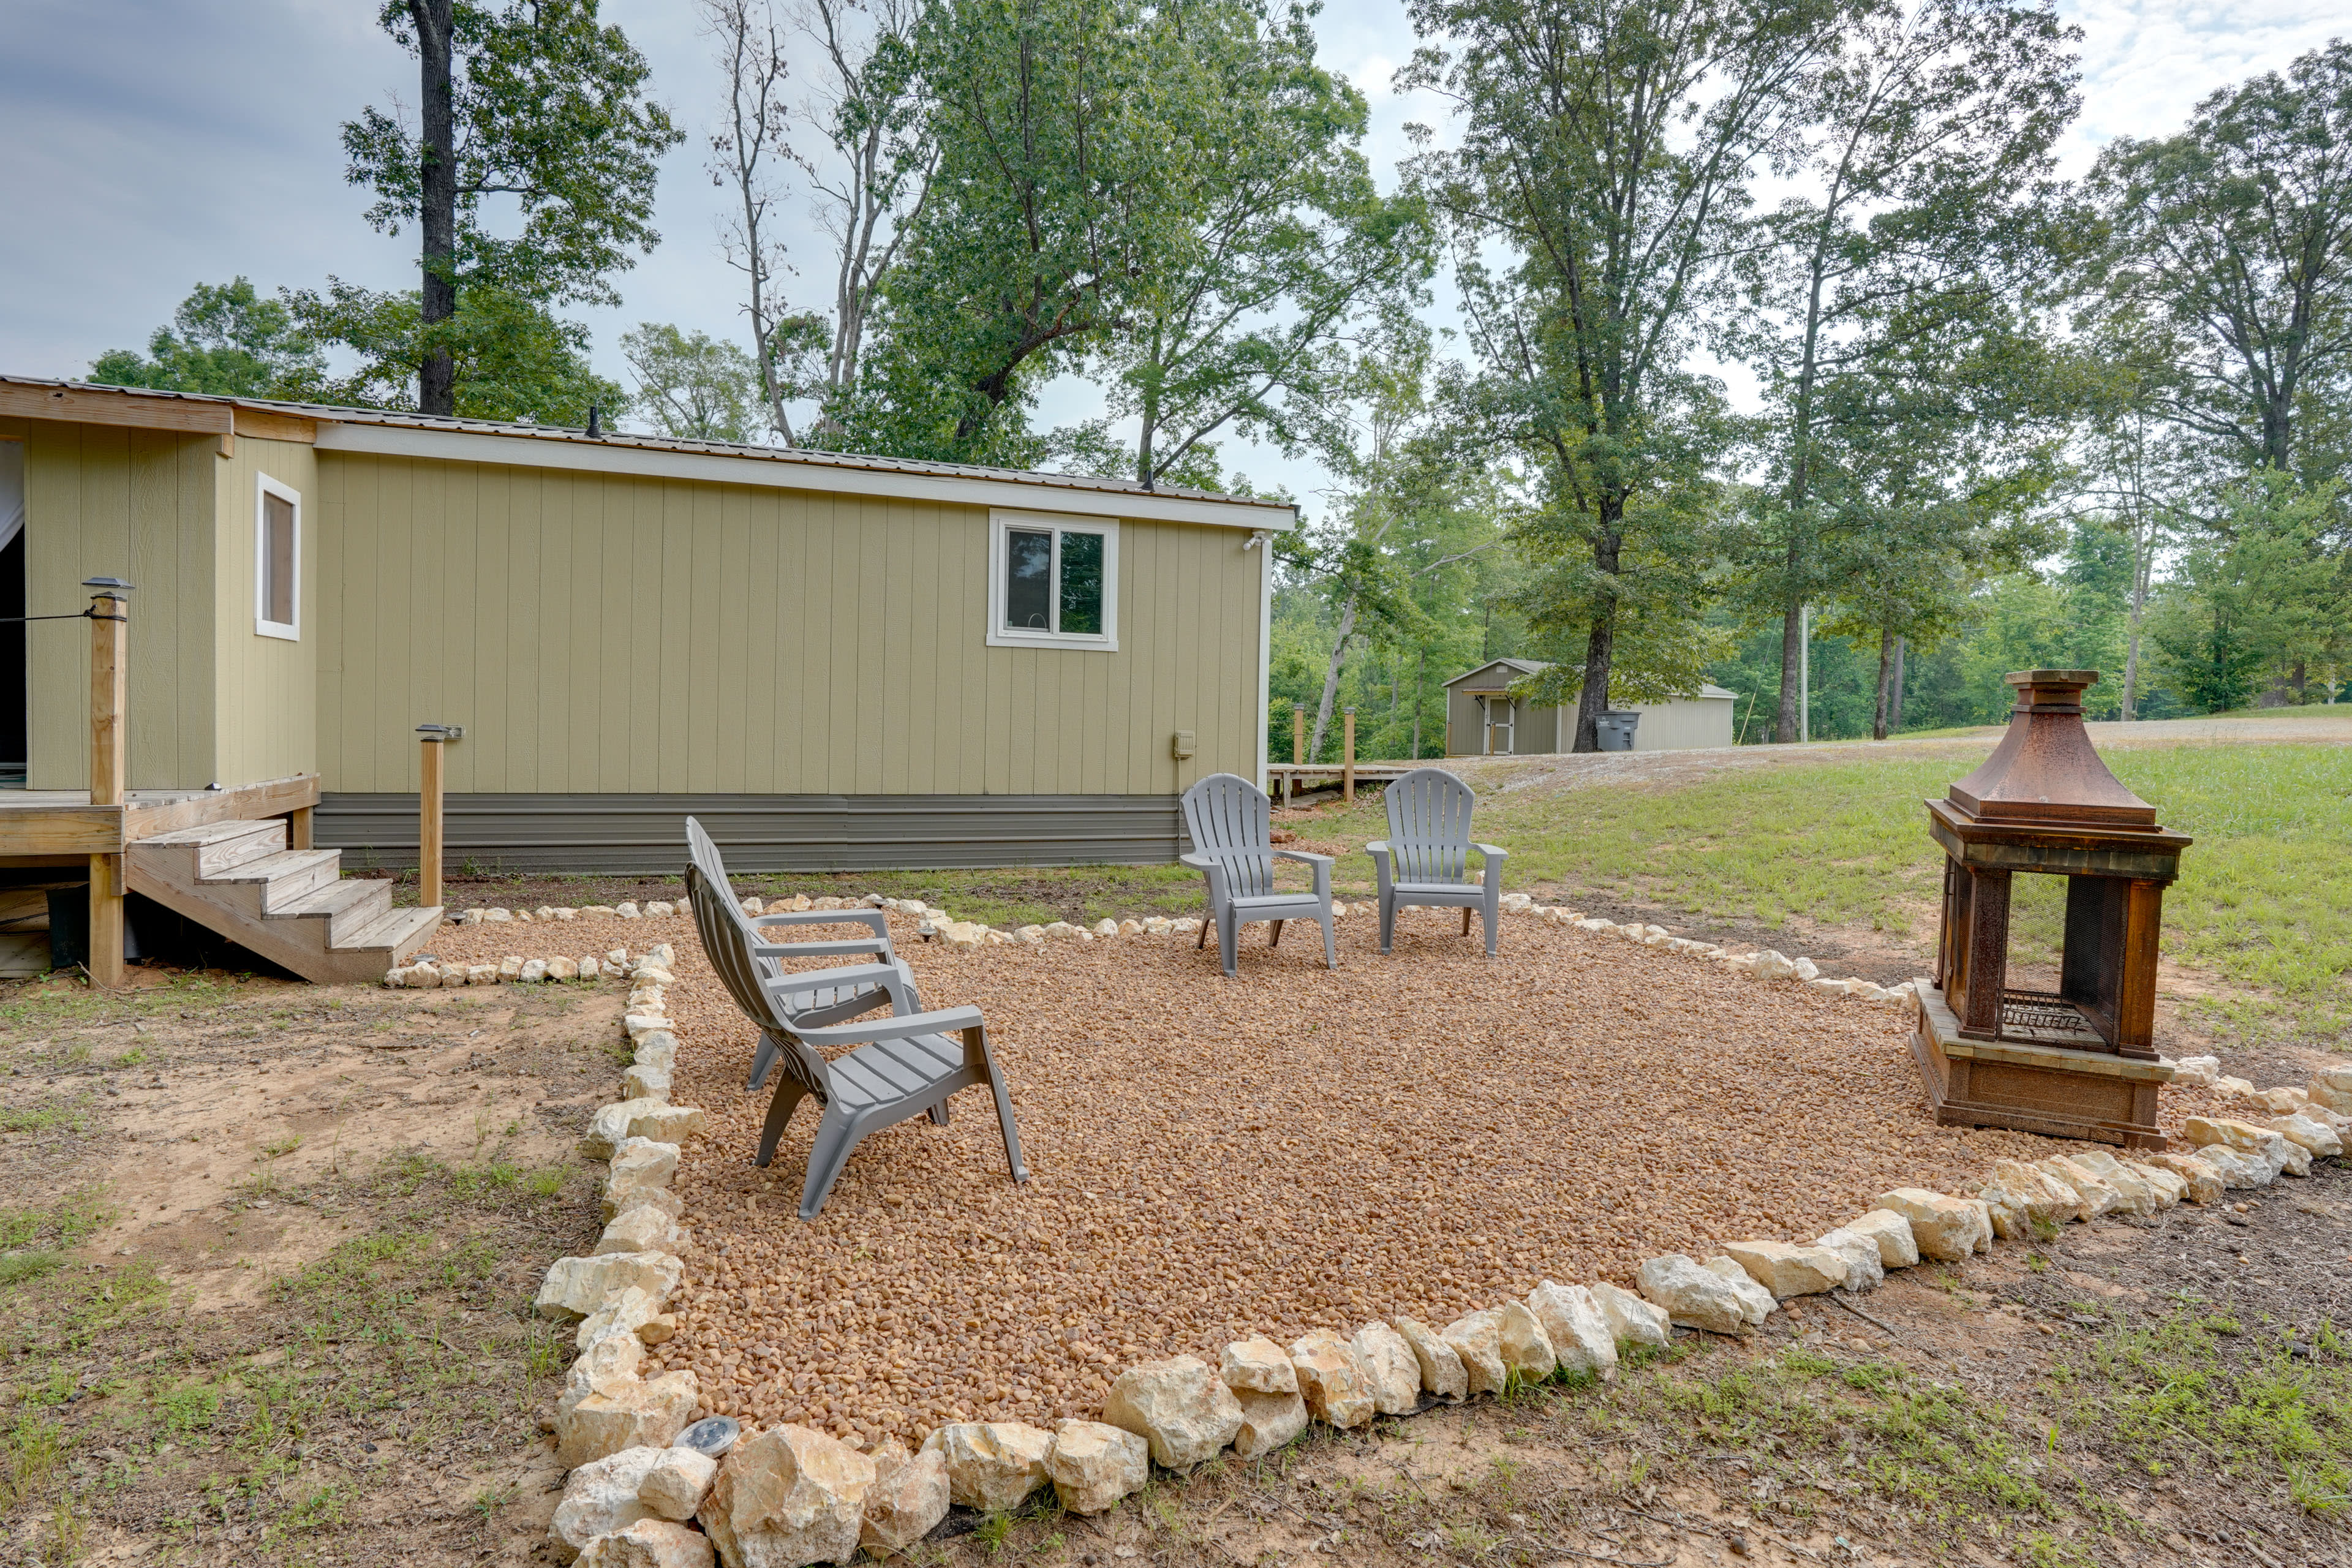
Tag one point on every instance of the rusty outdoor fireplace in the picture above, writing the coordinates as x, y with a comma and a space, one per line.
2079, 1061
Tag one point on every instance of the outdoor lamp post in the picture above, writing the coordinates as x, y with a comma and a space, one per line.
110, 668
428, 810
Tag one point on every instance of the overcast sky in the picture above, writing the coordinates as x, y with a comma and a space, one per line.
146, 145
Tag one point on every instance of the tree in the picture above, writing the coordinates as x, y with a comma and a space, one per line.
534, 103
859, 154
1245, 321
2254, 597
2233, 241
224, 338
509, 358
693, 386
1606, 152
1917, 241
1410, 527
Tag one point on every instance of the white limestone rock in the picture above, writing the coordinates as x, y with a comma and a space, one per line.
907, 1501
1477, 1339
1756, 1303
1946, 1228
642, 1228
680, 1478
1632, 1320
1395, 1373
626, 1313
1178, 1407
1332, 1379
992, 1466
2201, 1184
1897, 1247
1864, 1269
789, 1496
1789, 1269
599, 1497
1258, 1366
638, 1166
1093, 1464
1442, 1372
2308, 1132
575, 1287
1572, 1320
649, 1544
644, 1080
1693, 1296
1269, 1421
624, 1413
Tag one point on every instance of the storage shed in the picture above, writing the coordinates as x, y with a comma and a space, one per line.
1483, 719
834, 661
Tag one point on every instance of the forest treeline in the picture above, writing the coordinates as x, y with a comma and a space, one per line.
1777, 333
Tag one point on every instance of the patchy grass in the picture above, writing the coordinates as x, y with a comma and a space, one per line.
265, 1427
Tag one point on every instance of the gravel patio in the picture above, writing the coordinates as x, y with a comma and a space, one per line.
1298, 1148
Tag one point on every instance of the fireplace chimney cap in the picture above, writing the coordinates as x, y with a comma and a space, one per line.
2045, 771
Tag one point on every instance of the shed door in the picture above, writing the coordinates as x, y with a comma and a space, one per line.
1498, 726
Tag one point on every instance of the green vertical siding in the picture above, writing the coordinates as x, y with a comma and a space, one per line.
614, 633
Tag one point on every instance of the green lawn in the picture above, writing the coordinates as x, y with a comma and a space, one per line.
2264, 900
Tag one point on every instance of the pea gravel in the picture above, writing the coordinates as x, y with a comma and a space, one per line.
1297, 1148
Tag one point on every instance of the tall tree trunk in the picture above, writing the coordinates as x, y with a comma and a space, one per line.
437, 377
1331, 678
1787, 723
1878, 713
1600, 647
2141, 551
1902, 646
1420, 699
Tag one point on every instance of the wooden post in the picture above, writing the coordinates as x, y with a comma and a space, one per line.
110, 625
428, 824
298, 829
1347, 761
1298, 733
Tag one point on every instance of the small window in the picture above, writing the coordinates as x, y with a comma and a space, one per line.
277, 561
1052, 582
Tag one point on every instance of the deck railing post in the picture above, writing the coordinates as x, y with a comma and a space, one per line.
428, 811
1298, 733
109, 627
1348, 766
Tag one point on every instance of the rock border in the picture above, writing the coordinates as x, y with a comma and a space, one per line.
794, 1495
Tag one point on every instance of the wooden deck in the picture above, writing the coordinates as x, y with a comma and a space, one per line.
60, 827
1284, 780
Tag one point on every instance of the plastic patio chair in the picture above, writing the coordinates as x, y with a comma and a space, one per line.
1425, 859
1232, 826
903, 1067
816, 997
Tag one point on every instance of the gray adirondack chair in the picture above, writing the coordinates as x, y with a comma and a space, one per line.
1233, 848
817, 998
1425, 859
903, 1067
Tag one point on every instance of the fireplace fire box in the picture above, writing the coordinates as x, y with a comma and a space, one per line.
2079, 1061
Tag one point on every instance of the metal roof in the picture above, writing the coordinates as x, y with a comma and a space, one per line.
624, 440
1536, 667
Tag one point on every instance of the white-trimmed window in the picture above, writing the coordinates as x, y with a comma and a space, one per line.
1052, 582
278, 561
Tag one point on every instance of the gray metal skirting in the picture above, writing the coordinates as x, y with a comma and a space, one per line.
646, 833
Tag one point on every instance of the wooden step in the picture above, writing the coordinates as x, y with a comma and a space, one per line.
402, 931
345, 905
293, 907
216, 848
286, 877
